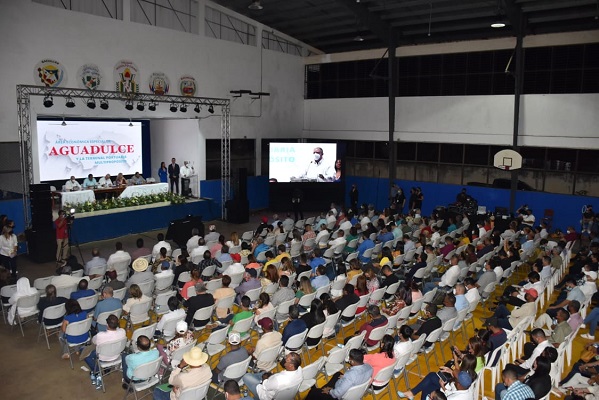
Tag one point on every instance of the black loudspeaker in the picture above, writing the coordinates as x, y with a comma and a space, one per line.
242, 190
41, 244
238, 211
179, 230
41, 206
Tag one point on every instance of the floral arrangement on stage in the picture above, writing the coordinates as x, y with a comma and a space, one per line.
117, 202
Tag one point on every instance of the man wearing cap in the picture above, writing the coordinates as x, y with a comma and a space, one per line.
497, 339
133, 360
197, 302
212, 235
233, 356
175, 313
141, 274
249, 282
192, 371
161, 243
270, 338
509, 320
107, 303
266, 386
590, 282
514, 296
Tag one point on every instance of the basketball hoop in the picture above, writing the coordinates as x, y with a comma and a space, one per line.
507, 160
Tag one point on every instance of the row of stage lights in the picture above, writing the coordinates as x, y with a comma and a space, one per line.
91, 103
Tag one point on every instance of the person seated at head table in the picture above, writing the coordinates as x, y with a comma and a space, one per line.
105, 181
72, 184
90, 182
137, 179
120, 180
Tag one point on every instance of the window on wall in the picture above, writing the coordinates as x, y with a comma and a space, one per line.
223, 26
558, 69
553, 170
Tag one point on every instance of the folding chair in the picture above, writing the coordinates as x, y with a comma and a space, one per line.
111, 349
314, 333
53, 312
6, 293
214, 344
76, 329
383, 377
145, 376
356, 392
23, 303
235, 372
195, 393
309, 374
147, 331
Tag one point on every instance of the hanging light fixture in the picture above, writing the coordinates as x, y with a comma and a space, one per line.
211, 109
104, 104
173, 107
183, 107
197, 108
499, 21
91, 103
152, 106
141, 106
48, 102
129, 105
70, 103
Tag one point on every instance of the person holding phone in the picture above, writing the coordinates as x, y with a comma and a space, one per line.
462, 377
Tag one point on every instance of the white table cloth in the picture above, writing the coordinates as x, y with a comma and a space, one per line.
78, 197
144, 190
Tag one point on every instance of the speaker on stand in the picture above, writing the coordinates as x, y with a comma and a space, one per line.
41, 238
238, 209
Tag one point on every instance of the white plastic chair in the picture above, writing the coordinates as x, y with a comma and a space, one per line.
119, 293
268, 357
98, 270
109, 350
214, 284
162, 283
235, 371
147, 287
88, 303
195, 393
53, 312
377, 335
202, 314
7, 292
96, 283
147, 331
296, 342
314, 333
139, 312
76, 329
147, 374
356, 392
383, 378
65, 291
242, 327
335, 361
161, 302
214, 344
283, 311
29, 301
309, 373
41, 283
101, 320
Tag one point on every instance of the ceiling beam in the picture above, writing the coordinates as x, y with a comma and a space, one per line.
370, 21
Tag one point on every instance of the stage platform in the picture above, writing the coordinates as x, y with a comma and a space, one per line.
108, 224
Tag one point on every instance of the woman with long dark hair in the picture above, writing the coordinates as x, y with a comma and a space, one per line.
314, 317
163, 172
382, 359
74, 314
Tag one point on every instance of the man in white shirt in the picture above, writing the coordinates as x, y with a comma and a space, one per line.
199, 251
339, 240
161, 243
481, 229
318, 169
72, 184
266, 386
118, 257
528, 218
472, 293
112, 333
540, 343
233, 269
288, 223
105, 181
321, 233
192, 243
448, 279
175, 313
330, 217
186, 170
212, 235
408, 244
546, 270
96, 261
345, 224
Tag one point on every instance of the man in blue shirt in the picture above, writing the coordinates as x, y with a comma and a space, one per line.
295, 324
341, 383
259, 248
385, 235
82, 290
460, 297
106, 304
321, 279
317, 260
365, 245
134, 360
89, 182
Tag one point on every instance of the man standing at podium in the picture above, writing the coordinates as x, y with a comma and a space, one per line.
186, 172
173, 174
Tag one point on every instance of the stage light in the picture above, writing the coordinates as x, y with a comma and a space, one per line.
70, 103
91, 103
141, 106
211, 109
48, 102
152, 106
104, 104
183, 107
173, 107
129, 105
197, 108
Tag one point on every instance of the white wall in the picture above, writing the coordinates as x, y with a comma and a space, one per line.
32, 32
559, 120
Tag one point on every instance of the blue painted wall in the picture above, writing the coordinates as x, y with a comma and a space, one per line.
257, 191
567, 208
14, 210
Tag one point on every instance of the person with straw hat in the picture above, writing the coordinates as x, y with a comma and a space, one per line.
141, 274
192, 371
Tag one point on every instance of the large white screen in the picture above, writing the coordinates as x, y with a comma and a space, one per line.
88, 147
295, 162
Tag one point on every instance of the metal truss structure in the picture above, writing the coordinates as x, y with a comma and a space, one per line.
24, 93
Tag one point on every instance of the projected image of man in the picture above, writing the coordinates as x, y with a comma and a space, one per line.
318, 169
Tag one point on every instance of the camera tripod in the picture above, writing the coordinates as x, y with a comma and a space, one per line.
73, 241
